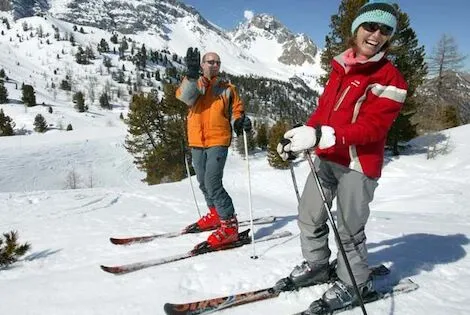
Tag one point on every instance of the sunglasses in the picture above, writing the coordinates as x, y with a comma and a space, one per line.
213, 62
373, 27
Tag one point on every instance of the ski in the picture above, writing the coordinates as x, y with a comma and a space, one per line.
202, 248
188, 230
216, 304
381, 293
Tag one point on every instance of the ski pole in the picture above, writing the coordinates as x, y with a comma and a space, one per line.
254, 256
191, 183
290, 158
294, 181
335, 230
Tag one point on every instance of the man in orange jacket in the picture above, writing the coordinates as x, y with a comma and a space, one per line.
213, 103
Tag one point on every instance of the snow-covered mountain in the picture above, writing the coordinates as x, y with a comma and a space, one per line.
262, 33
261, 45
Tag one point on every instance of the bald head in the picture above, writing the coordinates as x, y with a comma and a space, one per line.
210, 65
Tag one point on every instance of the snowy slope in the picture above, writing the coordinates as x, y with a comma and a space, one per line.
418, 226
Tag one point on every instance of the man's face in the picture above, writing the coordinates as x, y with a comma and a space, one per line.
210, 65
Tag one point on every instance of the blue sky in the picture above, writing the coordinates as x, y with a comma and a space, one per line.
429, 18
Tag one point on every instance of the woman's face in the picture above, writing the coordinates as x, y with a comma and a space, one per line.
370, 38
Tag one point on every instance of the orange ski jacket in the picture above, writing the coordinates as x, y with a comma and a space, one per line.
212, 106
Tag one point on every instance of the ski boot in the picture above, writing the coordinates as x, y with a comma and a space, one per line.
304, 275
225, 234
208, 222
340, 295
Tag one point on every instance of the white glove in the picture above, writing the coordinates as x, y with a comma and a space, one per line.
301, 138
328, 138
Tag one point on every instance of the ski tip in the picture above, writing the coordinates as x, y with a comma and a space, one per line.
113, 270
169, 309
118, 241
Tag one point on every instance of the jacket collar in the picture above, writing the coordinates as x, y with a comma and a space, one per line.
212, 82
338, 62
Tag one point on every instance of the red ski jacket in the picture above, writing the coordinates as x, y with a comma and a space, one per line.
361, 106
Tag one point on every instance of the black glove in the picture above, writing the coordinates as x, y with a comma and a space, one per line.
242, 123
193, 62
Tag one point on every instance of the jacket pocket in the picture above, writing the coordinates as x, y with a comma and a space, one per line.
341, 99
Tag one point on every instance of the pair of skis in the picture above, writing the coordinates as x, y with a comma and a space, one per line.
216, 304
199, 249
188, 230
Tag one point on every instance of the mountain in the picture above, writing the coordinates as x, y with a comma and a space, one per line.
455, 91
176, 26
41, 40
264, 30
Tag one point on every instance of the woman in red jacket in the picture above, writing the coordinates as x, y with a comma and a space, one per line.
361, 100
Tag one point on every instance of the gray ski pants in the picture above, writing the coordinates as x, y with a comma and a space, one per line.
354, 191
209, 166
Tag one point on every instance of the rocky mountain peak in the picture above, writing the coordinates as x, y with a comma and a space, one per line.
296, 48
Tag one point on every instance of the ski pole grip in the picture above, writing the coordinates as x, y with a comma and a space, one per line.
290, 155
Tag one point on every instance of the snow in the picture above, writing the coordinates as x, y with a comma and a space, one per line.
418, 227
419, 224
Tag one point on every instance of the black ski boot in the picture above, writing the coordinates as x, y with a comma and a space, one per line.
304, 275
340, 295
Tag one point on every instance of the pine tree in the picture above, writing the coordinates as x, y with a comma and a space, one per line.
69, 127
405, 53
262, 136
79, 101
104, 101
40, 124
240, 143
408, 57
65, 85
10, 249
6, 125
29, 97
156, 135
276, 133
81, 56
3, 93
340, 32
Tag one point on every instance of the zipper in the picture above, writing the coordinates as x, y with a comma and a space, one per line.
340, 100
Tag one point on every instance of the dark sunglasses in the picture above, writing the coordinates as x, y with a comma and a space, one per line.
212, 62
372, 27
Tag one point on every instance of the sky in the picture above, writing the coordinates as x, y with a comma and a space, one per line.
429, 18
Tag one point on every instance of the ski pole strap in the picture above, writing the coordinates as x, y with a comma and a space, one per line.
317, 135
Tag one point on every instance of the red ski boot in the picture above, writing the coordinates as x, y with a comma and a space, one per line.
227, 233
210, 221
